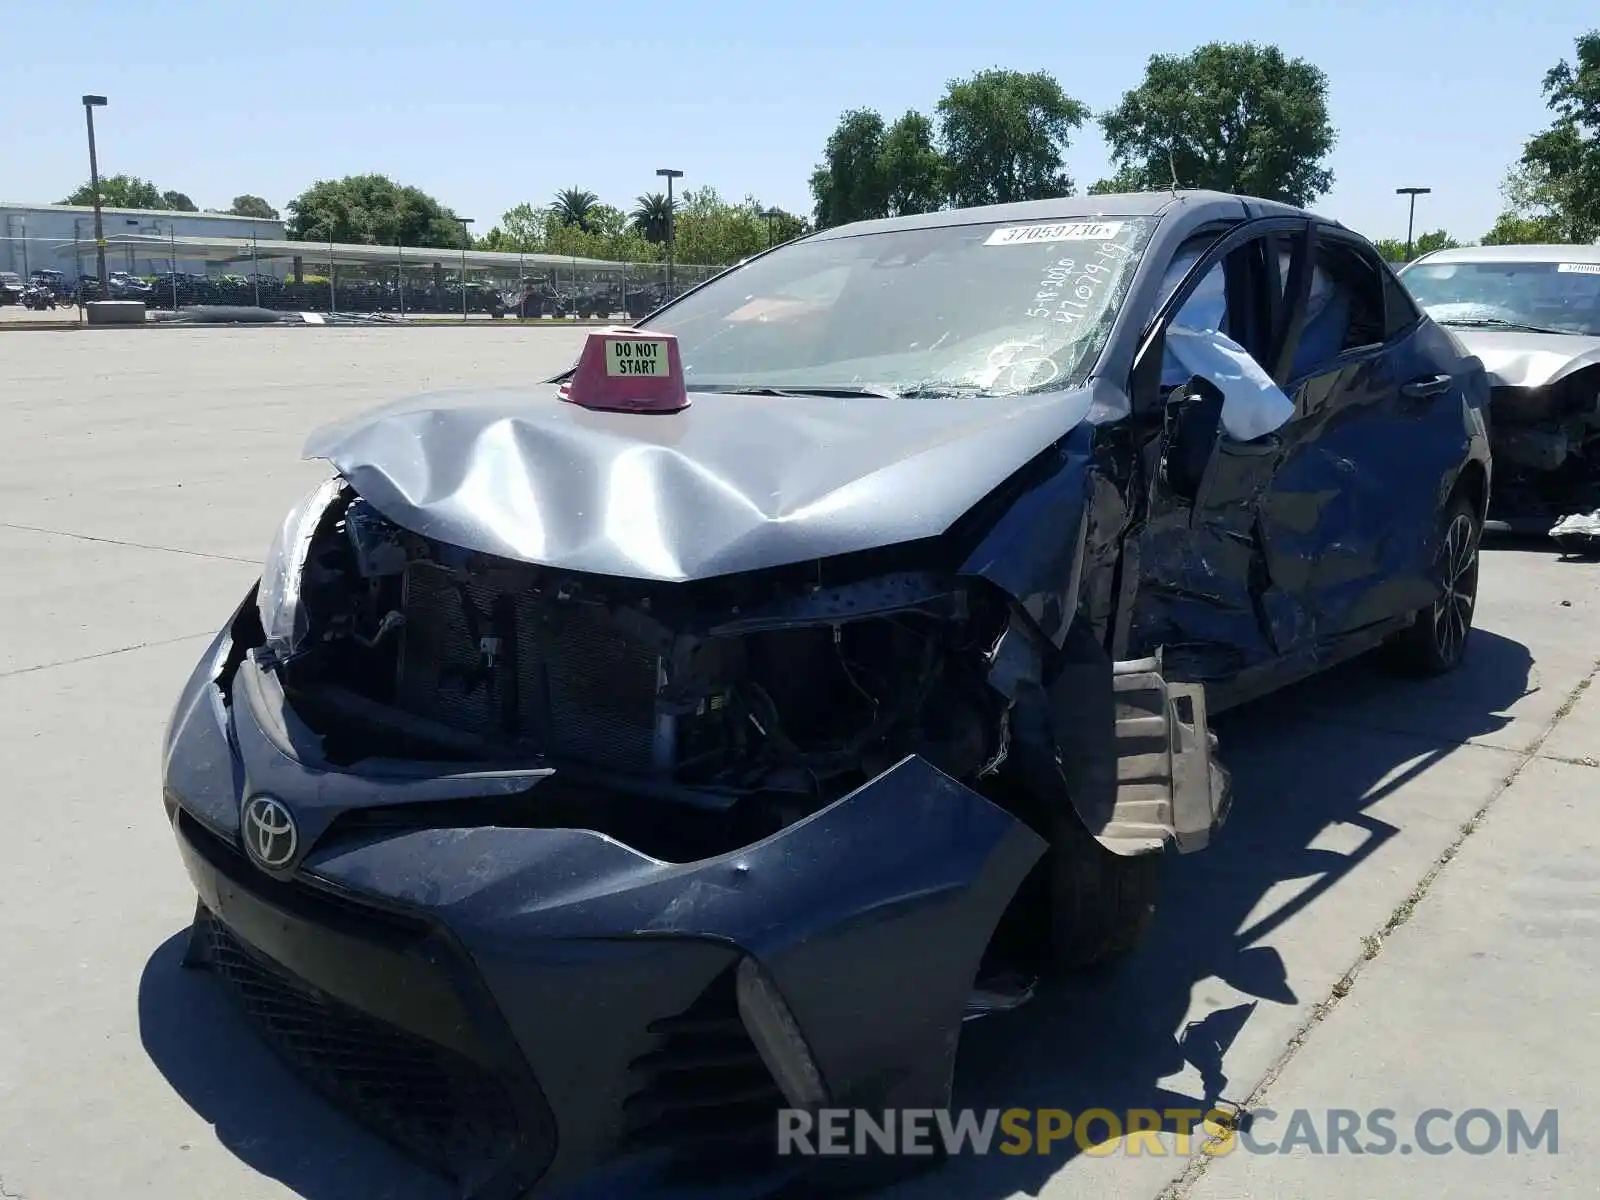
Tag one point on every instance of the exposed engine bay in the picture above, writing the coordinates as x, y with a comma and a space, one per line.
761, 699
1546, 443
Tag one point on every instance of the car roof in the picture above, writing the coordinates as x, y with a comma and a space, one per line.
1120, 204
1521, 254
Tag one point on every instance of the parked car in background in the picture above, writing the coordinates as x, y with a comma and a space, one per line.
11, 287
124, 285
1532, 315
626, 776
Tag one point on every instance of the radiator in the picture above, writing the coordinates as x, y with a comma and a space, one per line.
565, 682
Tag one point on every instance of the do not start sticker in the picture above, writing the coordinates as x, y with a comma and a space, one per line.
1073, 231
633, 357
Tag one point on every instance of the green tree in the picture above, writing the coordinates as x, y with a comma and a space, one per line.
651, 215
120, 191
1231, 117
785, 226
1510, 229
848, 185
574, 206
521, 230
1004, 133
252, 206
178, 202
709, 231
1557, 183
911, 166
1538, 210
374, 210
1394, 249
529, 230
1126, 179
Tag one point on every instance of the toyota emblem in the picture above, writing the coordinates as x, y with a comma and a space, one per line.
269, 832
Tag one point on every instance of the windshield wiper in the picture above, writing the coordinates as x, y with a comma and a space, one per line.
923, 391
879, 393
1497, 323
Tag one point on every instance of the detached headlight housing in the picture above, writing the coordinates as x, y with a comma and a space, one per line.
283, 616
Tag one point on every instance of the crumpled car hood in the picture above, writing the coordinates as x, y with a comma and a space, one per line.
732, 483
1515, 359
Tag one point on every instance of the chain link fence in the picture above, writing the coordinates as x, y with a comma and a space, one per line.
314, 278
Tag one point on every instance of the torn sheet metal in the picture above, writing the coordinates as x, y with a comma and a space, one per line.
711, 490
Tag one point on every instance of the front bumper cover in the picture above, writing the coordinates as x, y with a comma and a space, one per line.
577, 972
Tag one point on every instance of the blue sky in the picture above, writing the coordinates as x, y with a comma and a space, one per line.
486, 105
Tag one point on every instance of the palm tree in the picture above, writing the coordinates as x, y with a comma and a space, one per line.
573, 206
651, 216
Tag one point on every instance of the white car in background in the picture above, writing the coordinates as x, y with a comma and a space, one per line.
1532, 315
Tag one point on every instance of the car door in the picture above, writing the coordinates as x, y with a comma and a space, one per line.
1206, 593
1351, 515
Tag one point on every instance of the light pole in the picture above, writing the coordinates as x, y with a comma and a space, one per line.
1411, 219
172, 260
772, 214
669, 175
465, 238
90, 103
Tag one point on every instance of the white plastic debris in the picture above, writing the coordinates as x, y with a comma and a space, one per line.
1252, 404
1580, 531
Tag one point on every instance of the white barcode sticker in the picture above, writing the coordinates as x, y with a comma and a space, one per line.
1074, 231
1578, 268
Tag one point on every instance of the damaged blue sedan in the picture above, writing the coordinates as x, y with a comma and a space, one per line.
602, 766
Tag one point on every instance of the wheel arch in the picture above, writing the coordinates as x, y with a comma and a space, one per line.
1473, 482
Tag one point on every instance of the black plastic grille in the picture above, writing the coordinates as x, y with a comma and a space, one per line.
446, 1111
703, 1084
565, 680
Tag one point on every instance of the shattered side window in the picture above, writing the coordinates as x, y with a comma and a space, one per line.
1197, 344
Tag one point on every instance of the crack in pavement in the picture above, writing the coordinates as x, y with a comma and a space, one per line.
1372, 945
86, 537
67, 662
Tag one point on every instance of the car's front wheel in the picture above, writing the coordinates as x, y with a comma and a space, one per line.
1436, 641
1101, 903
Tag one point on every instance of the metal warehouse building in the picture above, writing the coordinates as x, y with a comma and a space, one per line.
31, 237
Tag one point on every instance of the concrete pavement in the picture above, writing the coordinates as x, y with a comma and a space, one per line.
1318, 956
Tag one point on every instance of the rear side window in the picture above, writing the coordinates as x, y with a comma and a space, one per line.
1400, 311
1345, 310
1358, 282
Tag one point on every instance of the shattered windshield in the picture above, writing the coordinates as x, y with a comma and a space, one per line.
1538, 297
992, 309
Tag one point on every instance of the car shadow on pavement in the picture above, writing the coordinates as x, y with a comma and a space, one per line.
1314, 755
258, 1108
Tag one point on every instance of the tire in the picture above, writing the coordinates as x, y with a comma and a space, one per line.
1436, 641
1101, 904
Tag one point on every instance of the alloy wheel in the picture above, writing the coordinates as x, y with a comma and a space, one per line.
1458, 565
